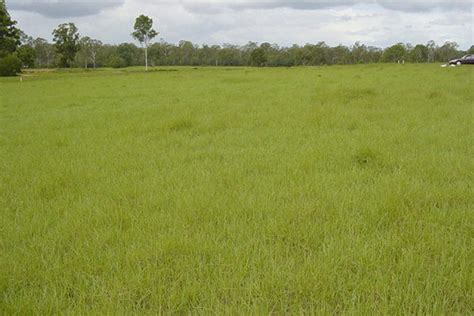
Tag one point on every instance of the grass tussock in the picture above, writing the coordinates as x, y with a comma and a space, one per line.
181, 125
367, 158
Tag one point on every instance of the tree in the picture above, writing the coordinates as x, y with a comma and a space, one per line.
246, 51
394, 53
104, 52
186, 52
230, 55
341, 55
94, 46
27, 55
89, 49
448, 51
471, 50
258, 57
144, 33
374, 54
207, 55
84, 50
359, 53
128, 52
25, 39
10, 39
44, 52
419, 54
316, 54
66, 43
9, 34
432, 47
272, 52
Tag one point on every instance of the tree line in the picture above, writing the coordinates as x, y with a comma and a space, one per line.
93, 53
70, 49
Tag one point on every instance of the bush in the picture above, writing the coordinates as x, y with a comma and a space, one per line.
10, 65
116, 62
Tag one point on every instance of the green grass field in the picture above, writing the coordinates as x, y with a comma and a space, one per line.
238, 190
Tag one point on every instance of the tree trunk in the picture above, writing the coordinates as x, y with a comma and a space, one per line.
146, 58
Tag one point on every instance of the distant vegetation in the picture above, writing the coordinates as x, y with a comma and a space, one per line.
186, 53
70, 49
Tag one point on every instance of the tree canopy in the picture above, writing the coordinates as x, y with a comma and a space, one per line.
258, 57
66, 43
395, 53
9, 34
144, 31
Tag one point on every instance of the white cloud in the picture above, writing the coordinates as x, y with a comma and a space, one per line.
63, 8
400, 5
378, 23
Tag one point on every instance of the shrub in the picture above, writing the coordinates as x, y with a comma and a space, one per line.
10, 65
116, 62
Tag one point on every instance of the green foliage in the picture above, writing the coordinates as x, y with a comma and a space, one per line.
116, 62
9, 34
258, 57
129, 53
144, 31
419, 54
237, 191
448, 51
84, 52
27, 55
230, 56
66, 43
186, 53
10, 65
44, 52
94, 46
394, 53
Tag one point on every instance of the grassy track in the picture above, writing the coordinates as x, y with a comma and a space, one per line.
333, 189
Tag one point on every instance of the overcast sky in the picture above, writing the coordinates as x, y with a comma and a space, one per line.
373, 22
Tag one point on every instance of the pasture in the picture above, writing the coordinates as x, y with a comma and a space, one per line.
342, 189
